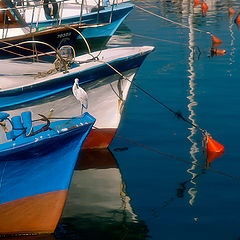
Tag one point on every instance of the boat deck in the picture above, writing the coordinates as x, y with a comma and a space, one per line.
20, 75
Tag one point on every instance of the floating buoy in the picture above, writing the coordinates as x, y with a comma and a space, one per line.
213, 149
197, 2
217, 52
214, 146
231, 12
204, 7
215, 41
237, 20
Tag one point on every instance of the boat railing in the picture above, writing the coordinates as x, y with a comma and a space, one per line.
102, 2
33, 15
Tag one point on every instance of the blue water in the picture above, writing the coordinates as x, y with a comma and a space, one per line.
174, 198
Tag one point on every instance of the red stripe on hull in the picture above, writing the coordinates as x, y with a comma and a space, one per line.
32, 215
99, 138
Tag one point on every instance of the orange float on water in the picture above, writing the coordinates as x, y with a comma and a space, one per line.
214, 146
216, 41
238, 19
204, 7
197, 2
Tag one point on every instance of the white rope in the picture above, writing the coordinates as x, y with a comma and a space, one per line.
166, 19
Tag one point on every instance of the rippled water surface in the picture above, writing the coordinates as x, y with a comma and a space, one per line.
174, 197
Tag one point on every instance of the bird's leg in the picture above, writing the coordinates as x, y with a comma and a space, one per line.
81, 110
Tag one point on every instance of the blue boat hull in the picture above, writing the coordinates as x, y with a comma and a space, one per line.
120, 12
96, 36
35, 180
56, 38
104, 33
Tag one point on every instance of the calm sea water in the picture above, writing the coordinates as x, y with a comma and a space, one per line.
175, 199
156, 191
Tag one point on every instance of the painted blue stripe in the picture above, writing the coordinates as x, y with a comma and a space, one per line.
34, 92
119, 12
108, 30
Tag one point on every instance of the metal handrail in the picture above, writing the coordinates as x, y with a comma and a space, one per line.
35, 20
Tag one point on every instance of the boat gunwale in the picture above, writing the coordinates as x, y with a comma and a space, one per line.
40, 139
60, 75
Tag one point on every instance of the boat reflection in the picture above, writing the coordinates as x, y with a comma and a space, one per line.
34, 237
97, 206
108, 93
122, 37
211, 156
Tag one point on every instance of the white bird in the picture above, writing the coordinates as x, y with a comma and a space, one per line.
80, 95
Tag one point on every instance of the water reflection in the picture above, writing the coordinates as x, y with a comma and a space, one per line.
37, 237
121, 38
232, 49
192, 191
97, 206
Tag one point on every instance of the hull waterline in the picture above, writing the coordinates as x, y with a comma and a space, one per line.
35, 179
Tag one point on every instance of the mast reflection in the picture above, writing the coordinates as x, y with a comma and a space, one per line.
192, 191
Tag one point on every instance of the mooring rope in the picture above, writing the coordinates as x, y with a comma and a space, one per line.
152, 149
159, 39
169, 20
17, 45
177, 114
170, 155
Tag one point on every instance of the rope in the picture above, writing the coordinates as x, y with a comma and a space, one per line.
171, 156
194, 47
166, 19
84, 39
159, 39
10, 45
177, 114
15, 45
157, 151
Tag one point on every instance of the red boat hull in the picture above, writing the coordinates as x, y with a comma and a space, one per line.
99, 138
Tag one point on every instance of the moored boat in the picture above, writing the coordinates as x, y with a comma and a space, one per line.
106, 100
36, 167
25, 83
107, 18
71, 23
14, 30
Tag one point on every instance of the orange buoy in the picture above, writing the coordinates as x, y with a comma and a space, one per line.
204, 7
216, 41
197, 2
214, 146
238, 19
231, 12
217, 52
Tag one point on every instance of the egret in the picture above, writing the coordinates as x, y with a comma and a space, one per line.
80, 95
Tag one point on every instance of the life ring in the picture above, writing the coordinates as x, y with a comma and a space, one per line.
52, 11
